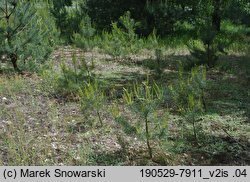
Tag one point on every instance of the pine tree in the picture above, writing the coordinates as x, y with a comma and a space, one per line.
208, 53
68, 18
23, 35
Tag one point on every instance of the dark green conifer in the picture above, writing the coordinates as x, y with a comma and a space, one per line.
23, 34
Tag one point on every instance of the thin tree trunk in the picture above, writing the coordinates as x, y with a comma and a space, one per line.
209, 57
13, 58
99, 117
147, 137
204, 101
216, 16
194, 129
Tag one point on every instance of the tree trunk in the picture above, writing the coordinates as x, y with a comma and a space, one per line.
148, 138
13, 58
216, 16
99, 117
194, 129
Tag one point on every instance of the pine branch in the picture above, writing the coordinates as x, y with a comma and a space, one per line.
13, 10
16, 29
2, 10
24, 26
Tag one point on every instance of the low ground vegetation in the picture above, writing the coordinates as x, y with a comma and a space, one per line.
118, 117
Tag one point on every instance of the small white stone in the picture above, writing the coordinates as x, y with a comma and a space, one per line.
54, 146
77, 158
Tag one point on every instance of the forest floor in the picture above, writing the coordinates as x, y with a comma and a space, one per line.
38, 127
